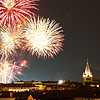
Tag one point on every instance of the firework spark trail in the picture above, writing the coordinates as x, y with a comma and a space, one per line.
11, 11
8, 70
44, 38
10, 41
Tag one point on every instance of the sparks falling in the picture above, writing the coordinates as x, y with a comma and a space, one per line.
13, 11
10, 40
44, 38
8, 70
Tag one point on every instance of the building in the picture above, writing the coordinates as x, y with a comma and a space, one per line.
87, 78
6, 95
87, 75
17, 87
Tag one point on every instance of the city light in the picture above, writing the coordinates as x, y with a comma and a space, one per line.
61, 81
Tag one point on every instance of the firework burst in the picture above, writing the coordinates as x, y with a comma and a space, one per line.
44, 38
10, 40
8, 70
13, 11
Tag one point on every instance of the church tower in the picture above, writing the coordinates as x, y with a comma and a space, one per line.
87, 75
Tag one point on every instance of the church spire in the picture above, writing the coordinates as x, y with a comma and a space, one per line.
87, 75
87, 69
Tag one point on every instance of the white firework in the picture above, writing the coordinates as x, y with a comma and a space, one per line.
44, 37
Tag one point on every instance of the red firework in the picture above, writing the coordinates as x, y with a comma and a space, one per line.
14, 11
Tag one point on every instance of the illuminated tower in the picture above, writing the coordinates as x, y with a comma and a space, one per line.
87, 75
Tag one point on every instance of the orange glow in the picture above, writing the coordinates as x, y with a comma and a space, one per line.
24, 63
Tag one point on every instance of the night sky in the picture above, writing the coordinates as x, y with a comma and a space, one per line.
80, 20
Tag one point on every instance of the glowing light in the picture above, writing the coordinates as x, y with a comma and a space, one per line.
97, 85
60, 81
11, 11
8, 70
44, 38
24, 63
9, 41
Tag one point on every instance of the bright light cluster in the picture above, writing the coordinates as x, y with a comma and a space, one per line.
44, 37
